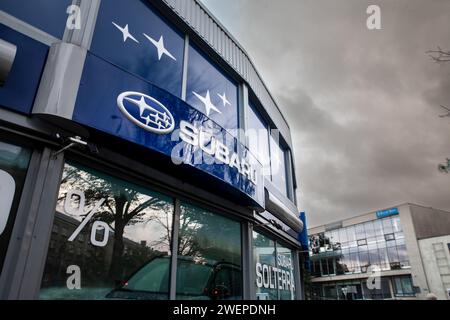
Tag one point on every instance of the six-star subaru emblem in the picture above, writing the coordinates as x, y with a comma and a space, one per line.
146, 112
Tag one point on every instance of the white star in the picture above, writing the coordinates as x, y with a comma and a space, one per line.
126, 34
224, 99
142, 104
160, 47
207, 102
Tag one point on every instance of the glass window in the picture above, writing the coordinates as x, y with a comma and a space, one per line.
362, 242
278, 165
343, 236
396, 224
14, 162
378, 294
403, 286
356, 265
285, 274
334, 240
264, 255
387, 226
209, 256
403, 256
386, 288
330, 292
364, 260
330, 263
389, 237
211, 91
351, 235
370, 229
324, 263
360, 232
378, 227
341, 264
374, 257
258, 139
122, 235
275, 269
350, 290
393, 257
316, 268
384, 259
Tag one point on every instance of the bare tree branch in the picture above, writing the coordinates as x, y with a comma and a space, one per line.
439, 55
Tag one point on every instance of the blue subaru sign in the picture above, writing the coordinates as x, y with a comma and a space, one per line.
131, 108
22, 83
133, 36
387, 213
49, 16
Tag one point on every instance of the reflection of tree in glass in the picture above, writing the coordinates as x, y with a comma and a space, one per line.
123, 206
204, 235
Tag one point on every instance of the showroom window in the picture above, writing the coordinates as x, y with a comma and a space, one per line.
209, 262
278, 165
258, 138
111, 239
211, 91
274, 269
14, 161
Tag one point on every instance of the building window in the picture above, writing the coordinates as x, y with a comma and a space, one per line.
360, 232
264, 256
387, 225
127, 228
278, 165
385, 250
209, 256
389, 237
403, 286
14, 161
369, 229
362, 242
274, 269
211, 91
258, 139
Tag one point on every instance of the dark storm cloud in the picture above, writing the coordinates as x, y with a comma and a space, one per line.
362, 105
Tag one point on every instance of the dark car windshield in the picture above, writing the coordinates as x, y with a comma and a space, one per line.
151, 281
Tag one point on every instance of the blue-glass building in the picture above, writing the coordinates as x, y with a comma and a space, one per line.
141, 157
400, 253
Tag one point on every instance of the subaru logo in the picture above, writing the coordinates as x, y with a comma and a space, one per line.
146, 112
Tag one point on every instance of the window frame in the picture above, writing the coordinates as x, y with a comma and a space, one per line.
191, 41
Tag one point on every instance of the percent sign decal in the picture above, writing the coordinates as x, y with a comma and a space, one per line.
97, 225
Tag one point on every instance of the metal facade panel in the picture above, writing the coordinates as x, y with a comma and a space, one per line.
216, 36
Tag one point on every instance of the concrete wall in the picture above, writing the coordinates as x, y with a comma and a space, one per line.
412, 248
429, 222
437, 264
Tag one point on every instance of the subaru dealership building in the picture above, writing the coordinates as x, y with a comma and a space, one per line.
141, 157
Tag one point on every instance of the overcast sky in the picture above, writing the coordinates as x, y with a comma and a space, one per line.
362, 105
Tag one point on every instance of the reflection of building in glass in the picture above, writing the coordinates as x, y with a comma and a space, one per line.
94, 261
396, 245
